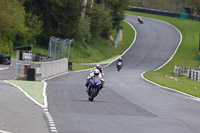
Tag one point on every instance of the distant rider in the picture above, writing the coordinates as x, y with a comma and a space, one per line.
120, 60
139, 18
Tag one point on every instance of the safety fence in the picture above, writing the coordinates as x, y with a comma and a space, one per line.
164, 13
192, 72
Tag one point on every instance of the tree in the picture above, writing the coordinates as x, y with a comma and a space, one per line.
84, 29
60, 17
101, 21
117, 8
12, 22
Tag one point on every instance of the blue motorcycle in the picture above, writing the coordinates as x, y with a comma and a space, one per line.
94, 87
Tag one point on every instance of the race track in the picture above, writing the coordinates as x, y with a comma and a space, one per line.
127, 103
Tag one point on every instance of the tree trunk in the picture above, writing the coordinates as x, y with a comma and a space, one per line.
84, 6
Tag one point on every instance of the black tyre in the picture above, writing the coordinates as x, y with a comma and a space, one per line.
90, 99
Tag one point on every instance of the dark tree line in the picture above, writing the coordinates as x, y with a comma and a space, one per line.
64, 18
25, 22
169, 5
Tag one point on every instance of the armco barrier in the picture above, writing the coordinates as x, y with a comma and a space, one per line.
153, 11
47, 69
160, 12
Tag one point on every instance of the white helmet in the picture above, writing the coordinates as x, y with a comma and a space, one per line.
96, 72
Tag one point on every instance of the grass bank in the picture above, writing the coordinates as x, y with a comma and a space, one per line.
187, 55
100, 50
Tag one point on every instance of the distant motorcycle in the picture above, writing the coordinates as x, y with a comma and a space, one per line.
140, 20
119, 65
94, 88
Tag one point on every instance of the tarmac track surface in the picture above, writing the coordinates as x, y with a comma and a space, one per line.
18, 114
127, 103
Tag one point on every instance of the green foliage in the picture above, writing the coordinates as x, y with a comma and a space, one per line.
11, 18
34, 28
101, 21
100, 50
12, 22
61, 18
117, 7
84, 29
6, 46
16, 27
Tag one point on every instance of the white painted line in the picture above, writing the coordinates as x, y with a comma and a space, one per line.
4, 68
54, 131
45, 109
1, 131
26, 94
52, 125
45, 94
185, 94
53, 128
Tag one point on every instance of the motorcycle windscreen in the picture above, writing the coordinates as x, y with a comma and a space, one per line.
95, 81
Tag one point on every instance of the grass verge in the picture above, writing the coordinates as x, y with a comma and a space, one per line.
32, 88
187, 55
100, 54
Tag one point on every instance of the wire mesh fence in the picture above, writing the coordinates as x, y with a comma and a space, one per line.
58, 48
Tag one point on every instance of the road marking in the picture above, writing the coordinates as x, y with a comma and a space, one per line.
3, 69
180, 92
52, 125
1, 131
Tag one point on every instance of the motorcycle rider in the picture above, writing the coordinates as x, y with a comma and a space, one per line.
97, 71
98, 66
139, 19
120, 60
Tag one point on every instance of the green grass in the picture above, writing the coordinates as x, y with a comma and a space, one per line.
32, 88
100, 49
81, 67
187, 54
181, 84
100, 54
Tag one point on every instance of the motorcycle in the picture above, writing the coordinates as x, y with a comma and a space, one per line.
94, 88
140, 21
119, 65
